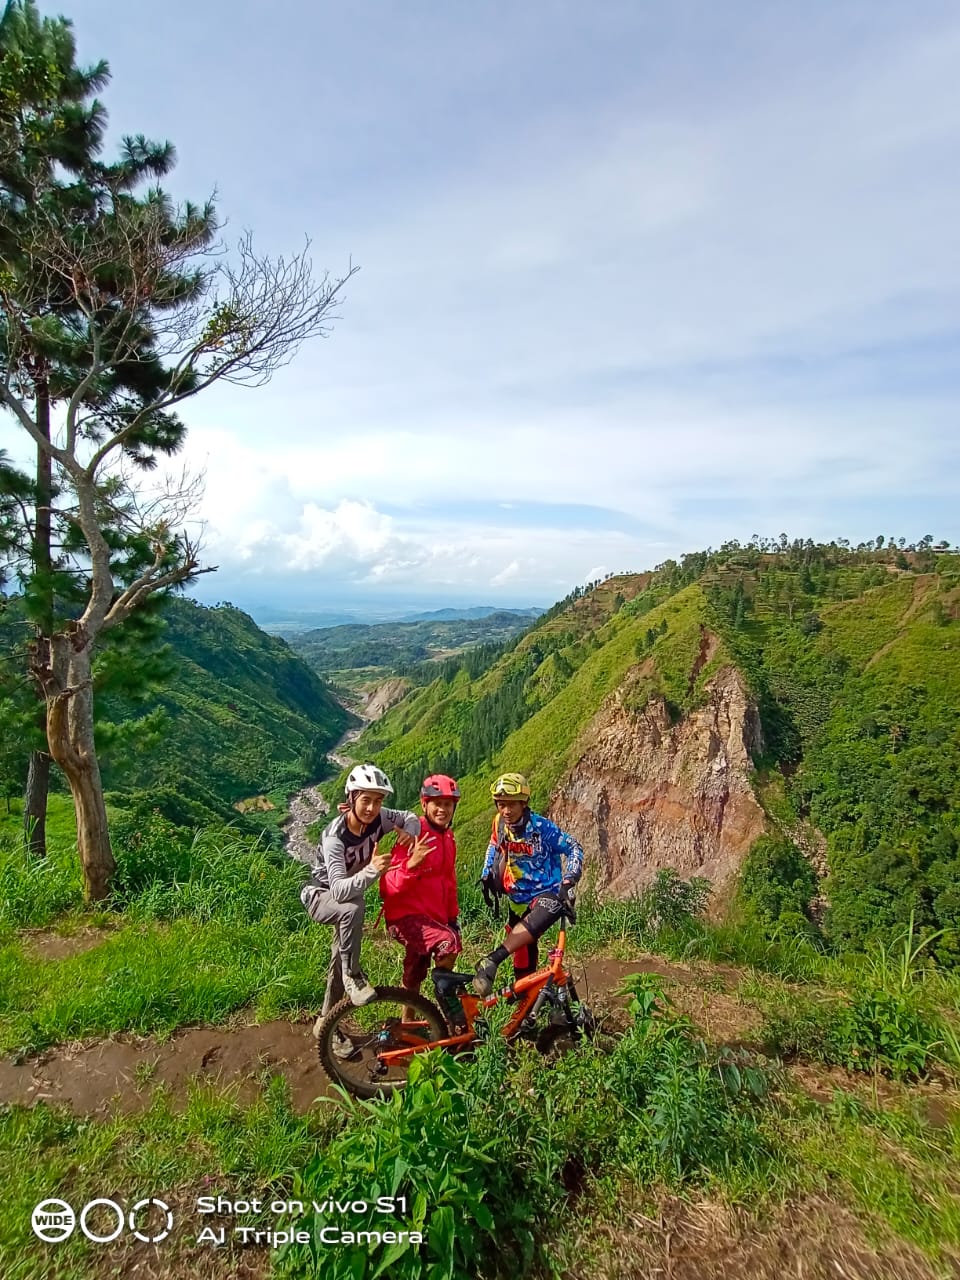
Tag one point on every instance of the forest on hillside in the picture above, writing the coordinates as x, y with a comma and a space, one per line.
196, 711
853, 656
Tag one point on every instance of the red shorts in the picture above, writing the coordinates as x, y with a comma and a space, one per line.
422, 938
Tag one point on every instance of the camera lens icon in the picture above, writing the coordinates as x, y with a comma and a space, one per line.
53, 1221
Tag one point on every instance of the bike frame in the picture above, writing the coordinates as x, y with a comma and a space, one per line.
524, 991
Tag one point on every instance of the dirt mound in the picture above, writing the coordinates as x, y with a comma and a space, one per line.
46, 944
815, 1239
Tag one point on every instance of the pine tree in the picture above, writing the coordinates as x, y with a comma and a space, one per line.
52, 131
97, 283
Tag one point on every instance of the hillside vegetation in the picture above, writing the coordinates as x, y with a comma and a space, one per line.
854, 660
770, 1091
228, 713
240, 715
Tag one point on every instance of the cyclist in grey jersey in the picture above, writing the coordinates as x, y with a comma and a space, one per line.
347, 864
343, 865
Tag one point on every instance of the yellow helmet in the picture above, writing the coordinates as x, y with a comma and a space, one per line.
512, 785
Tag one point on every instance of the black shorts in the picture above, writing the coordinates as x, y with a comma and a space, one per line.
539, 914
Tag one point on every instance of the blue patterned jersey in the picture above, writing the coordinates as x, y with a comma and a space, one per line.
532, 859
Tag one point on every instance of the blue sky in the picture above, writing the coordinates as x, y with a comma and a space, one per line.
635, 279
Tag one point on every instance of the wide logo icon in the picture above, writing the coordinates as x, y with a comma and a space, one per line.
53, 1220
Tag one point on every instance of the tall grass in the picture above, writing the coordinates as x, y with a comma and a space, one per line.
34, 891
486, 1170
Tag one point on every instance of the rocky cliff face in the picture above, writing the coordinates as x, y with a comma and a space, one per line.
648, 793
383, 697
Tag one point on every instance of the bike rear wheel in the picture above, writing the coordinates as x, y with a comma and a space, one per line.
372, 1029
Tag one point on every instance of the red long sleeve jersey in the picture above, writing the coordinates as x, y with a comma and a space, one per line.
429, 889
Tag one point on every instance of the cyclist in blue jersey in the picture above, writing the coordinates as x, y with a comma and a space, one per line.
536, 865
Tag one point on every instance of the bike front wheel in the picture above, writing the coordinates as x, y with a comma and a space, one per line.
564, 1034
354, 1038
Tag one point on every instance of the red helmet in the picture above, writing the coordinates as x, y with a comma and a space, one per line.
439, 785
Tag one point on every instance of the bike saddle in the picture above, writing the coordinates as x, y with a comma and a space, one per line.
446, 980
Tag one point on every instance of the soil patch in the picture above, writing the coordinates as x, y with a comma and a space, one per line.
121, 1074
937, 1103
720, 1017
45, 944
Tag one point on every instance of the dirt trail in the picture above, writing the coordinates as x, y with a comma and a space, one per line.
121, 1073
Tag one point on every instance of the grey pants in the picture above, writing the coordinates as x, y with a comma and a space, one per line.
347, 921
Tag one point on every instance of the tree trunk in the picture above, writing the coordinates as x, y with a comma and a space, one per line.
38, 773
68, 685
35, 802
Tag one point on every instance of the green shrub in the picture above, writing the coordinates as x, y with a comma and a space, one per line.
429, 1145
871, 1030
663, 916
776, 880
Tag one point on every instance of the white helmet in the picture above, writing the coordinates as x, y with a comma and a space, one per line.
367, 777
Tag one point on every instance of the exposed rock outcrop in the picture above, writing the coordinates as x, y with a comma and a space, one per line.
648, 793
383, 697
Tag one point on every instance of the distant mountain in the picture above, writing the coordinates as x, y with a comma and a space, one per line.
279, 621
477, 611
393, 648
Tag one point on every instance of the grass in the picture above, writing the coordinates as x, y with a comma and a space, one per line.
662, 1112
202, 928
213, 1145
895, 1167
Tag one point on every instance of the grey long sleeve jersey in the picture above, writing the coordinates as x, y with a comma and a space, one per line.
343, 863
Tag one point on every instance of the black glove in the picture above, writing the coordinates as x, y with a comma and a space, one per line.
491, 892
567, 894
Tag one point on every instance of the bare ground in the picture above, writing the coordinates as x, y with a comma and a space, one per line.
121, 1072
813, 1239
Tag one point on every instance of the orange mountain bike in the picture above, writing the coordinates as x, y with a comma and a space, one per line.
368, 1048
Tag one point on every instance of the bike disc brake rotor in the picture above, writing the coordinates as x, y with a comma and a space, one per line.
361, 1036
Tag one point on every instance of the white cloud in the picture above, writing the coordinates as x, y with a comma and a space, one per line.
505, 574
704, 286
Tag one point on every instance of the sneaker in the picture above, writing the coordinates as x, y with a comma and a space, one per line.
316, 1026
483, 978
343, 1047
358, 988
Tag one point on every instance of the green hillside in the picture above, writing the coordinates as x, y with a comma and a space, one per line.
240, 715
529, 709
853, 657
